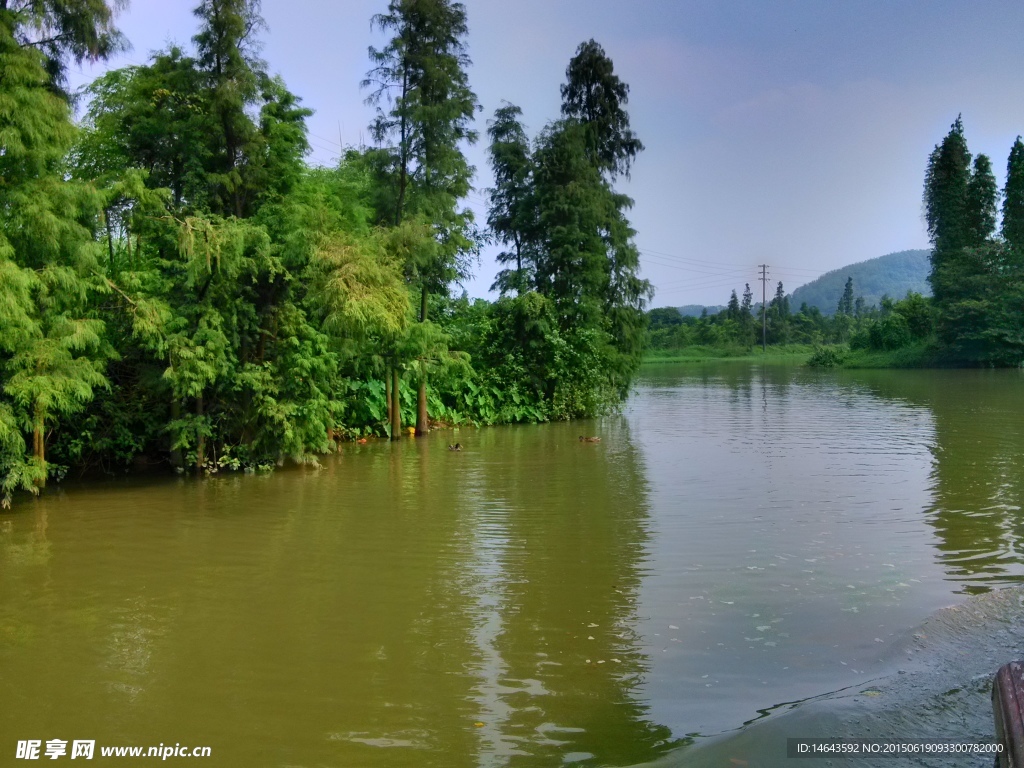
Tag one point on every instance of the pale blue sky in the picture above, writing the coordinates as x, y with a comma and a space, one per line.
788, 133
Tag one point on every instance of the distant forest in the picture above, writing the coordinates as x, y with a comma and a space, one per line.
892, 275
876, 313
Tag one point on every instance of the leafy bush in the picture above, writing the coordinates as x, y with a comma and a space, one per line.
891, 333
827, 357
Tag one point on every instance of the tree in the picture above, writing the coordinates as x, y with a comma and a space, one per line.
595, 97
747, 307
779, 315
980, 321
732, 310
981, 202
586, 261
155, 118
64, 30
945, 201
421, 73
1013, 197
512, 214
226, 49
53, 357
781, 302
573, 206
846, 304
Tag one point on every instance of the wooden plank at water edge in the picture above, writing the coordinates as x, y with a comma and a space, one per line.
1008, 708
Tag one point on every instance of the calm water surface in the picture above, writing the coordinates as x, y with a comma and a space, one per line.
742, 538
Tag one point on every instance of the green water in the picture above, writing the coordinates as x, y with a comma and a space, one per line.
742, 537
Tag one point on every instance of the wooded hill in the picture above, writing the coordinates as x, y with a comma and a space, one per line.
891, 275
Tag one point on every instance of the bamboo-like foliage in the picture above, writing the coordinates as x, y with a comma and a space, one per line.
178, 285
358, 288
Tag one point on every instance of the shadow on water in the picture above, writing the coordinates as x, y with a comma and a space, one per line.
978, 480
934, 682
568, 551
405, 605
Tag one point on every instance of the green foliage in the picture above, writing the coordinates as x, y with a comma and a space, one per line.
178, 288
978, 281
63, 30
845, 306
918, 313
154, 118
421, 75
827, 357
595, 97
52, 352
891, 333
981, 199
356, 288
980, 321
512, 213
945, 191
1013, 197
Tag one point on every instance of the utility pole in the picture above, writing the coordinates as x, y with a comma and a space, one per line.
764, 308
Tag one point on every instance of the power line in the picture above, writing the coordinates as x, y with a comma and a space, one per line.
725, 273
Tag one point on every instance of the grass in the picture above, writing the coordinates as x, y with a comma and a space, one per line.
918, 355
699, 354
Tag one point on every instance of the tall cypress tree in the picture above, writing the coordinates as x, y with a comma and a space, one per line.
846, 300
226, 46
945, 202
732, 309
595, 97
573, 204
512, 213
421, 75
781, 302
747, 314
1013, 197
587, 261
981, 202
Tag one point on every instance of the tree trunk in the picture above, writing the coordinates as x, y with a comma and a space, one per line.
396, 406
176, 457
422, 419
403, 145
387, 391
422, 423
39, 446
201, 448
110, 241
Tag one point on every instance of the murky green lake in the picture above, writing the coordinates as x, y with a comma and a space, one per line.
743, 538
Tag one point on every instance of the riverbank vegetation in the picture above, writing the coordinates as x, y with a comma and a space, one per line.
739, 329
973, 317
177, 284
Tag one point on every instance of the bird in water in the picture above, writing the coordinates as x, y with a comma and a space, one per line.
456, 447
589, 439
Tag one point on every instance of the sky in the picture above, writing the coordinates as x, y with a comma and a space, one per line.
792, 133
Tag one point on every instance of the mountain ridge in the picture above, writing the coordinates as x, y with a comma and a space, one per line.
890, 275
